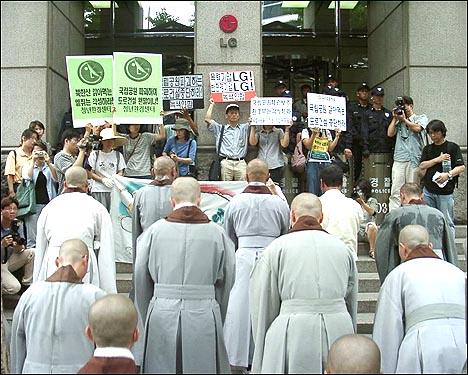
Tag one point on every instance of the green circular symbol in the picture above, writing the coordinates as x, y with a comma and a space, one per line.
138, 69
90, 72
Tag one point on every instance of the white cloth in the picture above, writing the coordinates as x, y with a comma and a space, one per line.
341, 217
70, 216
436, 176
113, 352
431, 346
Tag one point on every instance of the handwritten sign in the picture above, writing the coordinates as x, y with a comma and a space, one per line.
232, 86
182, 92
271, 111
326, 111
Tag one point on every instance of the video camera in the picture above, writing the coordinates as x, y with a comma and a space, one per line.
93, 142
400, 108
15, 233
357, 193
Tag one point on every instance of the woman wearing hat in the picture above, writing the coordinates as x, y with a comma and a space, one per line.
181, 148
104, 164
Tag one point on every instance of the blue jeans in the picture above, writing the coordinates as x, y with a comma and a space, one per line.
444, 203
313, 177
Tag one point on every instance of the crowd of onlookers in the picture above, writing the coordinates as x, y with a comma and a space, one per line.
273, 289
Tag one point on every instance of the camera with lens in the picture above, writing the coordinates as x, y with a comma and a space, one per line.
15, 233
357, 193
93, 142
400, 108
41, 154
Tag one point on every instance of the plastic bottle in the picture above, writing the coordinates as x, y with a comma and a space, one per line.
446, 166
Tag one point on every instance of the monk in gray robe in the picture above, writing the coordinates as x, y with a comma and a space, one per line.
50, 319
303, 295
420, 321
152, 202
184, 271
252, 220
412, 211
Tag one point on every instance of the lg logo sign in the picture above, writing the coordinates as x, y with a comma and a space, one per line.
228, 24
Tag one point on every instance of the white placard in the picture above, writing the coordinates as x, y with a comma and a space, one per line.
271, 111
326, 111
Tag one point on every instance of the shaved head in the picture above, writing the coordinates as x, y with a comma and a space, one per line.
354, 354
163, 166
76, 177
113, 320
307, 204
414, 235
185, 189
257, 171
72, 252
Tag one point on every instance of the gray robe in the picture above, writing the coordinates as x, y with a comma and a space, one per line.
48, 328
252, 221
303, 296
422, 288
386, 244
183, 275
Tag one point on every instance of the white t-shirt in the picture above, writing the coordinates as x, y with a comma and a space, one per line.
106, 166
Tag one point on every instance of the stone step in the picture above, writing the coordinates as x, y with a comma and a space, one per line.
368, 282
367, 302
365, 322
124, 282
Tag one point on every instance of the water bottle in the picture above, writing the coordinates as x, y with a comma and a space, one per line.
446, 166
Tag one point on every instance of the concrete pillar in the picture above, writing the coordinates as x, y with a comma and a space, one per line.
209, 56
36, 37
418, 48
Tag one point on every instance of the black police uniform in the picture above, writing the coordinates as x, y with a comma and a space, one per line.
374, 131
356, 112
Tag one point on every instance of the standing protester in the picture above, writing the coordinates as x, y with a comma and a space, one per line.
300, 105
270, 140
113, 329
356, 111
40, 172
15, 255
184, 272
138, 150
410, 132
72, 146
104, 164
303, 295
442, 162
420, 321
17, 158
47, 333
181, 148
75, 214
234, 142
412, 211
342, 216
253, 219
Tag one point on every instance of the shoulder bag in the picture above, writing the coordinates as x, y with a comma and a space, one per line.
298, 159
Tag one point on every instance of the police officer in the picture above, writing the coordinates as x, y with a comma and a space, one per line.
356, 111
282, 90
374, 124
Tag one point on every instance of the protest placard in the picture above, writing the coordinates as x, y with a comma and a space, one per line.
90, 84
182, 92
271, 111
137, 88
232, 86
326, 111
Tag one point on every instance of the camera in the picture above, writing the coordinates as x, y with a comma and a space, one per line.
41, 154
93, 142
15, 233
357, 193
400, 108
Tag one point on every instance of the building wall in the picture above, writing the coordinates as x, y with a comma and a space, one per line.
36, 37
210, 56
418, 48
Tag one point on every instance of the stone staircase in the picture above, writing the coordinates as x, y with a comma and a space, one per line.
369, 283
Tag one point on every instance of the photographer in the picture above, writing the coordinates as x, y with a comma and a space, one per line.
14, 252
72, 155
368, 228
40, 172
410, 132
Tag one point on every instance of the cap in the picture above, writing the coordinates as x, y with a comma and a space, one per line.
363, 85
229, 106
181, 123
330, 78
378, 91
280, 83
108, 133
334, 91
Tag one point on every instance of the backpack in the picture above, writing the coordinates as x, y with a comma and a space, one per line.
298, 159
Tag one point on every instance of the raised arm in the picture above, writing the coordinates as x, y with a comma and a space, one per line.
209, 112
